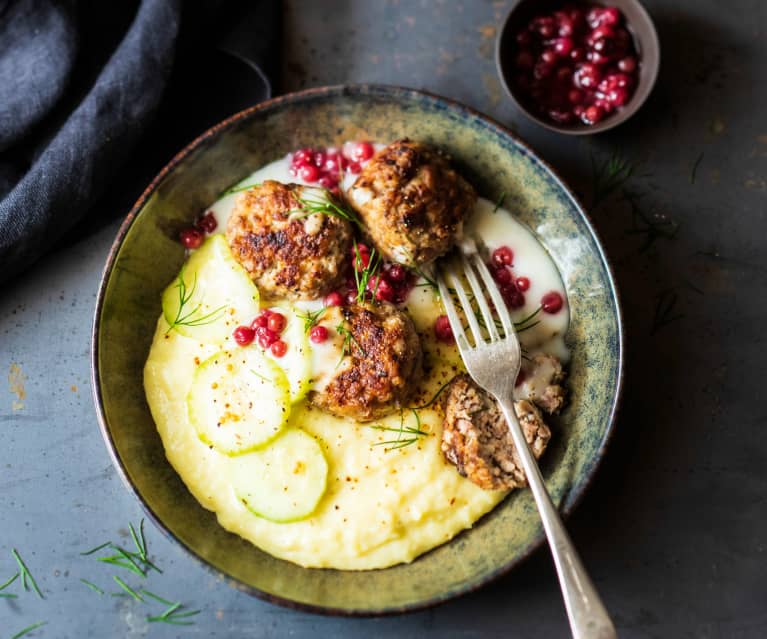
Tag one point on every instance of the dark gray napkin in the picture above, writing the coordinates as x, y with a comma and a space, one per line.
96, 96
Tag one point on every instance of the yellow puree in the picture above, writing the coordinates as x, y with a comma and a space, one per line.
382, 506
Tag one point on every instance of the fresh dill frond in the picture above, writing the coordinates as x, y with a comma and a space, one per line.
608, 176
239, 189
364, 273
348, 341
193, 317
92, 586
96, 549
327, 206
127, 589
26, 576
174, 615
406, 435
695, 166
28, 629
311, 318
434, 397
499, 203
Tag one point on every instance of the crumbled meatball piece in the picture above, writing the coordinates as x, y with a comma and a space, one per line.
412, 202
381, 363
286, 253
477, 440
542, 383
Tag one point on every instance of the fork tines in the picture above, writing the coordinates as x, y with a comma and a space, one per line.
451, 282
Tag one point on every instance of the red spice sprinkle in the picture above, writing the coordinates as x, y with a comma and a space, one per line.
318, 334
244, 335
191, 238
552, 302
278, 348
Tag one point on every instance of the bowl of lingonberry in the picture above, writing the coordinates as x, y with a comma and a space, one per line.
578, 67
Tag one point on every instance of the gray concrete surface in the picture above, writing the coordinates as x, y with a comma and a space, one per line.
674, 529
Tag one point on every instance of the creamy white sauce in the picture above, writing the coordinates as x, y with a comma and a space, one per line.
531, 260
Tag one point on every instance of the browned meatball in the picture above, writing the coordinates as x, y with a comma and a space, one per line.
542, 383
476, 438
412, 202
381, 361
286, 252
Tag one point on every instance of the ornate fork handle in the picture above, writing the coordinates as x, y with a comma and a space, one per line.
586, 612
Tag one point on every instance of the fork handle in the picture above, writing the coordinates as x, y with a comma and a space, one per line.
587, 614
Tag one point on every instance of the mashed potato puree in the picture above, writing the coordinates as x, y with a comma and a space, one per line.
382, 505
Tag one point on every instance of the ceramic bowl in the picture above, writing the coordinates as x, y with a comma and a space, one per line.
640, 26
146, 256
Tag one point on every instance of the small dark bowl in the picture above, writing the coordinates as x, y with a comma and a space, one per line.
639, 25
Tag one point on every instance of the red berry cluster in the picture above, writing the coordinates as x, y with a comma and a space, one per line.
512, 289
576, 64
391, 283
192, 236
265, 329
326, 166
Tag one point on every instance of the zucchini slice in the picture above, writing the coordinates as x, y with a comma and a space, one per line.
211, 296
239, 400
284, 481
297, 361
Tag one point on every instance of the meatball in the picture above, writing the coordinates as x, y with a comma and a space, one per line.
542, 383
381, 361
477, 440
412, 202
286, 252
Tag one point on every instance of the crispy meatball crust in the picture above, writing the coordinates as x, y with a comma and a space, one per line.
382, 362
287, 256
412, 202
476, 439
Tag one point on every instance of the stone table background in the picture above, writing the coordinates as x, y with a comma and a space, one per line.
674, 529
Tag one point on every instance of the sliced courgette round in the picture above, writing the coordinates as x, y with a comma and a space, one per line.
239, 400
297, 361
211, 296
284, 481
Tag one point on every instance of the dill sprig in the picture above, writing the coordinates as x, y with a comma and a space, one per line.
311, 318
191, 317
26, 576
175, 615
327, 206
8, 582
348, 341
499, 203
428, 279
364, 273
608, 176
137, 561
238, 189
127, 589
28, 629
92, 586
652, 226
406, 435
695, 166
434, 397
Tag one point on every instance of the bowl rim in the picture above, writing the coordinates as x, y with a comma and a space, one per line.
610, 123
391, 91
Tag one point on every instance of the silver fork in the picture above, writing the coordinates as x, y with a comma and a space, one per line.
494, 363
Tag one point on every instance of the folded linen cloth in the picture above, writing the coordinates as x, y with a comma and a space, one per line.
96, 96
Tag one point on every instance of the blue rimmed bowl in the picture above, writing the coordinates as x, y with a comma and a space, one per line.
146, 256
